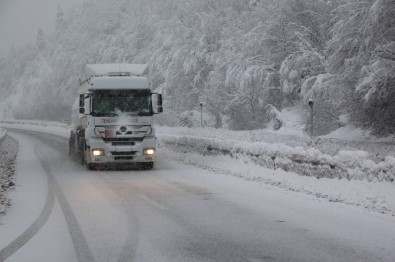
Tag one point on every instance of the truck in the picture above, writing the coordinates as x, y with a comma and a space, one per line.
112, 118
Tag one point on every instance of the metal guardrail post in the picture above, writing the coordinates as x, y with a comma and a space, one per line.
3, 134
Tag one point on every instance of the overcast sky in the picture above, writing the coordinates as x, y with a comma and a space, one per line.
21, 19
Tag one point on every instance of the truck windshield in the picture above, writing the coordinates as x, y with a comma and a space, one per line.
117, 103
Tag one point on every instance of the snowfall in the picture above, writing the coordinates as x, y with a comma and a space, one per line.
348, 166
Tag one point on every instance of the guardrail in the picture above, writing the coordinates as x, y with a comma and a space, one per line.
351, 165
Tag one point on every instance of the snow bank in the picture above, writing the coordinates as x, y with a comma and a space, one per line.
49, 127
8, 152
308, 162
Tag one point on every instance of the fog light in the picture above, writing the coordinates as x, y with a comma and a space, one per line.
98, 152
149, 151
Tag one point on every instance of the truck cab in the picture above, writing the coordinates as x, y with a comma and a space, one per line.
113, 117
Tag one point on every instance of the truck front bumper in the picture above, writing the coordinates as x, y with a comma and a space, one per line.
105, 152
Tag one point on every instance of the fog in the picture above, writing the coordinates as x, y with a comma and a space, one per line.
21, 19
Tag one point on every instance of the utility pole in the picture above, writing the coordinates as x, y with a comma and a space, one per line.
201, 114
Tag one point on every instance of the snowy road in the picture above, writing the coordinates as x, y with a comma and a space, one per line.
176, 212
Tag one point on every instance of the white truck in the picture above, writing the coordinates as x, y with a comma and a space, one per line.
112, 118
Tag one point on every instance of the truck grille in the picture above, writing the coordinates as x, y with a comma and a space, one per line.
121, 143
115, 153
129, 139
127, 133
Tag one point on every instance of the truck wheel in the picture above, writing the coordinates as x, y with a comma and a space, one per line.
71, 146
82, 157
81, 151
148, 165
91, 166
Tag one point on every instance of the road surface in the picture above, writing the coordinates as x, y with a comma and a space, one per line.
63, 212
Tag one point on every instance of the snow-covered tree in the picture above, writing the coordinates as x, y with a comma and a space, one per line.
221, 53
375, 91
361, 51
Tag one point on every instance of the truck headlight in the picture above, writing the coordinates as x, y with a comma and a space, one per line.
149, 151
97, 152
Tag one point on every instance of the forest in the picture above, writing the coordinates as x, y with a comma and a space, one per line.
244, 60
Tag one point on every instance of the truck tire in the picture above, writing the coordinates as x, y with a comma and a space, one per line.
147, 165
81, 150
71, 146
91, 166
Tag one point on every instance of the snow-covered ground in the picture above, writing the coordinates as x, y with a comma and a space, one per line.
248, 154
190, 207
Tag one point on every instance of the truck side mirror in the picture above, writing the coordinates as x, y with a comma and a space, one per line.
82, 110
85, 104
160, 107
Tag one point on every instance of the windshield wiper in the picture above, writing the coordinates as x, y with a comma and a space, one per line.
139, 113
109, 114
